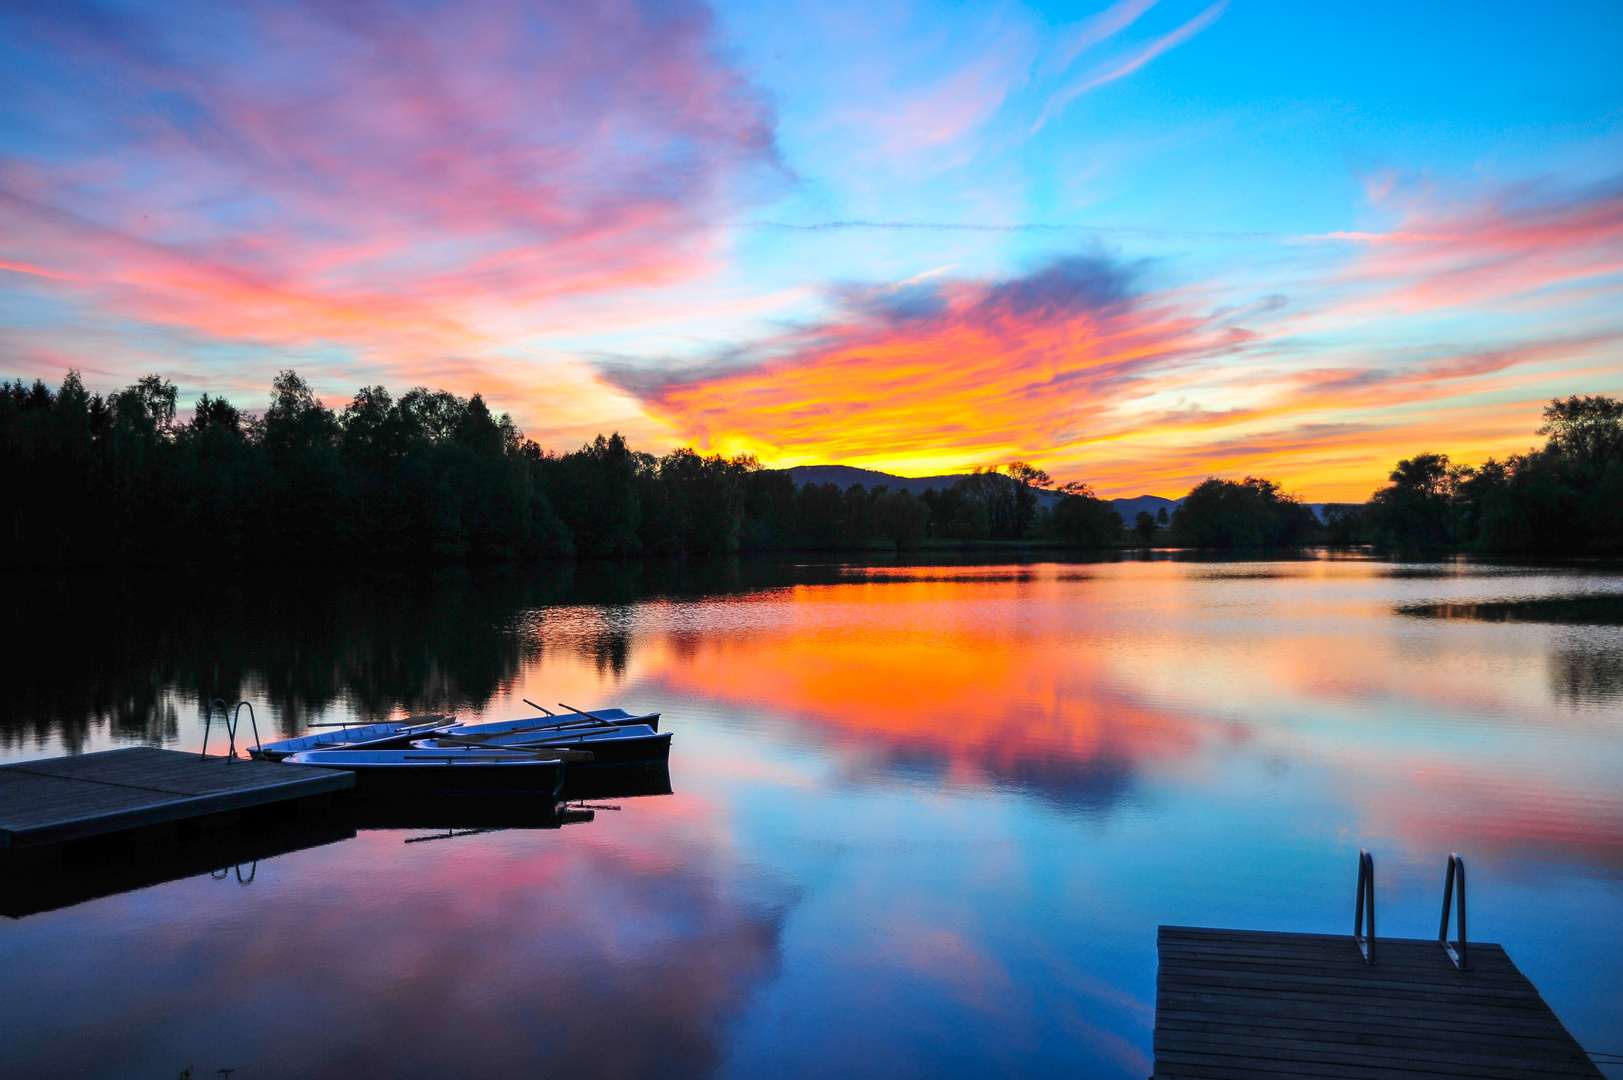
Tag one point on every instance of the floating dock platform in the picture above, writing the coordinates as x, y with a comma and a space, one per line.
1239, 1005
75, 798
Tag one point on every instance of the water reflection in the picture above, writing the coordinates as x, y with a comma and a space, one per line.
1588, 677
120, 863
925, 820
1595, 609
91, 871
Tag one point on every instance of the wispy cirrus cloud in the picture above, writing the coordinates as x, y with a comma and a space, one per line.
422, 179
1123, 66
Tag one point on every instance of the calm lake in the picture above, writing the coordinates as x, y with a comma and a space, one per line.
923, 820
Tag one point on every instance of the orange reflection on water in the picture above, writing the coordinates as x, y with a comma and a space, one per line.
1071, 682
989, 702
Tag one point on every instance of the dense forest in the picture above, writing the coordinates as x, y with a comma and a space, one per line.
432, 477
1564, 499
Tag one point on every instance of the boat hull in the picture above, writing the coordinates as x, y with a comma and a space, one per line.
614, 717
415, 772
633, 746
392, 735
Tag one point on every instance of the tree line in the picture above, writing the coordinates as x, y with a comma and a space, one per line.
1564, 499
432, 477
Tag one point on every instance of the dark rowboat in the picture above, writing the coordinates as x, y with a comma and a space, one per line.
630, 745
599, 718
392, 734
461, 771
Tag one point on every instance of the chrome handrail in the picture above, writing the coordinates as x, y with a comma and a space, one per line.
1455, 863
1365, 902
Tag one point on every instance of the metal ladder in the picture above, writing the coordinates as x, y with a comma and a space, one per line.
231, 718
1364, 906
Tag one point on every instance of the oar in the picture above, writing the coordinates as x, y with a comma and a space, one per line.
593, 716
532, 727
561, 754
533, 705
525, 754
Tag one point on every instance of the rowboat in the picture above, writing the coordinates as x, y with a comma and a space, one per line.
597, 718
458, 771
631, 744
390, 734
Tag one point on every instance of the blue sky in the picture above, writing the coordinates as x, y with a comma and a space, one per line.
1333, 235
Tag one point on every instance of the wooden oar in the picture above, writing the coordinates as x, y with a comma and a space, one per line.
533, 705
593, 716
561, 754
534, 727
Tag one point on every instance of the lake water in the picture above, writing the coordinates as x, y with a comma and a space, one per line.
924, 819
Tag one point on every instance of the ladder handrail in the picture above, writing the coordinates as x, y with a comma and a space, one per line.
236, 718
1365, 902
208, 720
232, 718
1455, 863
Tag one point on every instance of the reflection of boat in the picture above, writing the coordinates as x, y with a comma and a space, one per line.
484, 813
445, 772
597, 718
638, 744
620, 782
451, 812
392, 733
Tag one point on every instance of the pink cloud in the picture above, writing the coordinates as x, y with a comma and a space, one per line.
1508, 243
374, 175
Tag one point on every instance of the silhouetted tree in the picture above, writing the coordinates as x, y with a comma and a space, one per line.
899, 516
1082, 519
1241, 513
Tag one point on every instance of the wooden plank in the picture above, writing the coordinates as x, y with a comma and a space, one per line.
1233, 1004
1367, 1010
1309, 1047
1419, 1038
1176, 1064
43, 802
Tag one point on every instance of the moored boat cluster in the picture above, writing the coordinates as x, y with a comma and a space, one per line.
435, 754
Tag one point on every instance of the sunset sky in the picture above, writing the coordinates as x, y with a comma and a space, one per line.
1136, 244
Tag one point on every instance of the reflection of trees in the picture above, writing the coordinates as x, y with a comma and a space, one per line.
1587, 677
96, 653
116, 654
104, 652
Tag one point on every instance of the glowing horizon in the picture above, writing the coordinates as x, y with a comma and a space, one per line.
1137, 244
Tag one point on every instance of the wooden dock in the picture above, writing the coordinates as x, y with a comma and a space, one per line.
1237, 1004
72, 798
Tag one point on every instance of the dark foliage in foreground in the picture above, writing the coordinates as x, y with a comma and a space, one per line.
431, 477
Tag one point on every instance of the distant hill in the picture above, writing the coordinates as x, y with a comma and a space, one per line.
846, 475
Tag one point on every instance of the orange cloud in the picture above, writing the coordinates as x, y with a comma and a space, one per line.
944, 374
1154, 391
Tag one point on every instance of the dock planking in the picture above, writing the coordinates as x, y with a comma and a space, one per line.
73, 798
1232, 1004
